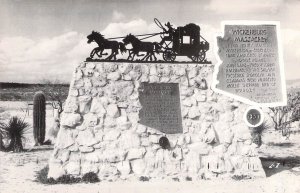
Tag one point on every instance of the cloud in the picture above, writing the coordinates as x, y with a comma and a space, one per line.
32, 60
209, 33
244, 6
117, 16
27, 60
137, 26
291, 52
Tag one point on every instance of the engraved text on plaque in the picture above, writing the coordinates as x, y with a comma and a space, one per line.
160, 107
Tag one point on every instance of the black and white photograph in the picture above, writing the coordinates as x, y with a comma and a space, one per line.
120, 96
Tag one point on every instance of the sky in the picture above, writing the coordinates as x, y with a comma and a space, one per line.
45, 40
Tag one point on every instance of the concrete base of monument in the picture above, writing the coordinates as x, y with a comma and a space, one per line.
101, 129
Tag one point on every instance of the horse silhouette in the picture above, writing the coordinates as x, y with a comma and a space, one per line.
138, 46
105, 44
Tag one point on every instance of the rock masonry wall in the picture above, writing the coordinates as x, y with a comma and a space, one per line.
100, 130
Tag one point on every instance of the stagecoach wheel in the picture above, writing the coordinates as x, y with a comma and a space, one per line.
200, 57
169, 56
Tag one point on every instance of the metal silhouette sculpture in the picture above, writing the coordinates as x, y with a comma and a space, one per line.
181, 41
170, 32
138, 46
105, 44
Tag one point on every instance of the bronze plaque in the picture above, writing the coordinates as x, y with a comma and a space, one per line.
160, 107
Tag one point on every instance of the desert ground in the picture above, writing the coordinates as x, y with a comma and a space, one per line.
280, 158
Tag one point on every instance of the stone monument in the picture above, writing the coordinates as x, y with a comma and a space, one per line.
124, 121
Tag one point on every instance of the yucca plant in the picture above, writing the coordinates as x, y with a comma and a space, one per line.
257, 133
2, 135
15, 131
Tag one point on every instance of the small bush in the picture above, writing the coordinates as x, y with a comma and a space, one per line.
260, 129
2, 135
188, 178
176, 179
144, 178
241, 177
257, 133
42, 175
90, 177
65, 179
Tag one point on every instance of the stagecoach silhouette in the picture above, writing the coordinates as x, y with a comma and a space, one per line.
182, 41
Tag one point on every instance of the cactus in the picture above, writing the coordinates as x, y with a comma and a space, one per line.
39, 117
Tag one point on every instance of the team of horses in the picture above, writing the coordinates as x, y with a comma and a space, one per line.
137, 46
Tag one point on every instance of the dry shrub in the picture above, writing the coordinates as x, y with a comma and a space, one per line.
41, 177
